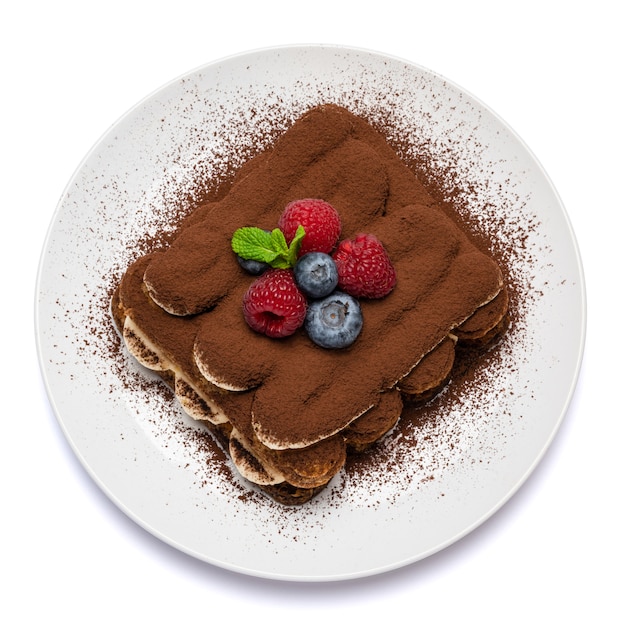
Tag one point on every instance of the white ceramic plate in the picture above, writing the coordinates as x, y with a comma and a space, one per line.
145, 455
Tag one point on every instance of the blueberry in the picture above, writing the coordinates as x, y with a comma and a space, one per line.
256, 268
335, 321
316, 274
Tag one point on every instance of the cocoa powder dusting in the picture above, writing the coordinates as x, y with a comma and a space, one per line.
445, 435
302, 392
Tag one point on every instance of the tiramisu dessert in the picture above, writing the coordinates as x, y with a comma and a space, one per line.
301, 311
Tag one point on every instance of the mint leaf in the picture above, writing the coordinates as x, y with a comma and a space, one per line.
254, 243
280, 248
279, 242
257, 244
294, 246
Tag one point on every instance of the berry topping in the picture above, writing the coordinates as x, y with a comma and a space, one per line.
273, 304
256, 268
335, 321
365, 270
316, 274
320, 221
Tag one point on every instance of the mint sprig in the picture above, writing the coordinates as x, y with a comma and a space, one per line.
260, 245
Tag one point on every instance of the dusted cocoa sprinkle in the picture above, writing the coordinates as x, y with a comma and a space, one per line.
442, 279
443, 438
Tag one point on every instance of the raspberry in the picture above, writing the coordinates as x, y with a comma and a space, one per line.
273, 304
364, 267
320, 221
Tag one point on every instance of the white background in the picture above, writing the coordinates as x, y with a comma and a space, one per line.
554, 72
